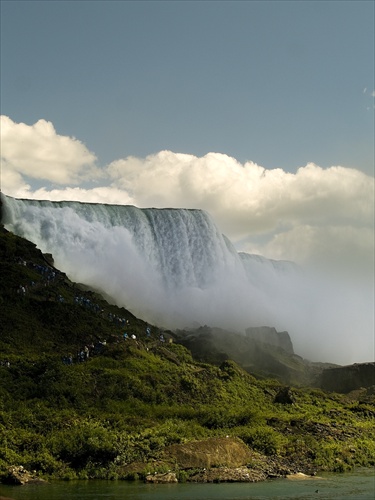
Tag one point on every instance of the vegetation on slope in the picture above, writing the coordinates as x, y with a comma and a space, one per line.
69, 416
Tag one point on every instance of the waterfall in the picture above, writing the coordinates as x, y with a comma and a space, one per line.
171, 266
174, 268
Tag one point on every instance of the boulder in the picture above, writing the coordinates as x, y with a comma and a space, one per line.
212, 452
301, 475
284, 396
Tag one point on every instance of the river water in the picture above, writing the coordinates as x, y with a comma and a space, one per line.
356, 485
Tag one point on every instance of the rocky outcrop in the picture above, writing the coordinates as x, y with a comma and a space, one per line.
213, 452
269, 335
271, 357
48, 257
345, 379
228, 459
18, 475
262, 352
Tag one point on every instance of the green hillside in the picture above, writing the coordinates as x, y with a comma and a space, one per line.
77, 399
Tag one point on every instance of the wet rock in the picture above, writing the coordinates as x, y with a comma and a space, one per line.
301, 475
169, 477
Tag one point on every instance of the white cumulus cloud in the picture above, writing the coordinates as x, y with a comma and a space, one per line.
38, 152
313, 212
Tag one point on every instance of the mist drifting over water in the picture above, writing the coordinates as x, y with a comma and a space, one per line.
174, 268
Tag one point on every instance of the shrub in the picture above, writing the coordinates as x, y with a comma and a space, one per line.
86, 442
263, 439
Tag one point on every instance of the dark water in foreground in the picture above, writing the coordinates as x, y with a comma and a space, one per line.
354, 485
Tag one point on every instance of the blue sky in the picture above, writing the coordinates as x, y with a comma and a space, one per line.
279, 83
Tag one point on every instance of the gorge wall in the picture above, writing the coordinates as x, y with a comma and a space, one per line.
345, 379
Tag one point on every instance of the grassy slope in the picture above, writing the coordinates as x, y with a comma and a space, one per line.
133, 398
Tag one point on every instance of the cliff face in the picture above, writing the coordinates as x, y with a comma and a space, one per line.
262, 351
348, 378
269, 335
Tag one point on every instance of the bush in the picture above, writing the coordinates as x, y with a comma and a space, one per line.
263, 439
86, 442
223, 418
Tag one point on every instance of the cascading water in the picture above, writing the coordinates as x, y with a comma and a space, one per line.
172, 265
173, 268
